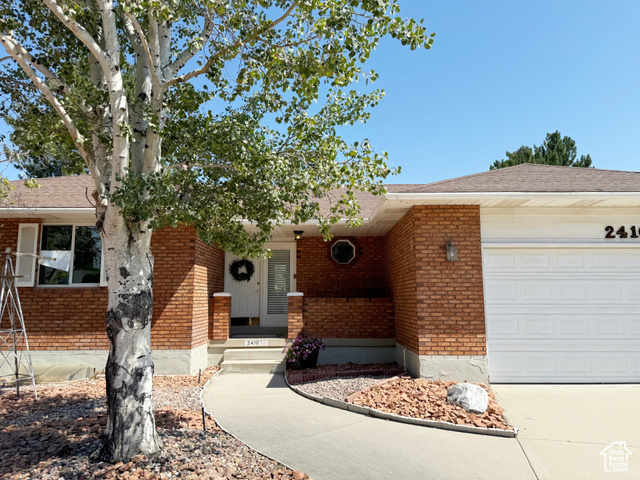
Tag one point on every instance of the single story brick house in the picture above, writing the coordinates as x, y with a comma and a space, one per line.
525, 274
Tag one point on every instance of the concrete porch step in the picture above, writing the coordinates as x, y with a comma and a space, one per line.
253, 354
252, 343
253, 366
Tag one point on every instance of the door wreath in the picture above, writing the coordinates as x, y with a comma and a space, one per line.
237, 265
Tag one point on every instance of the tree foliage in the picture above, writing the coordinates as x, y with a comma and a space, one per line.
214, 113
555, 150
246, 141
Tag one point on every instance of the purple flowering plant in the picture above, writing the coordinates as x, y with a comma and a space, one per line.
302, 348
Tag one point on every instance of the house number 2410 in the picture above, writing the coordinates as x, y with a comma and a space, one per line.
621, 232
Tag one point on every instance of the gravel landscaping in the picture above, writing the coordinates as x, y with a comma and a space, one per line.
338, 388
56, 436
404, 396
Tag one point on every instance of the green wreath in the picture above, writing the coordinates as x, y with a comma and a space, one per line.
236, 265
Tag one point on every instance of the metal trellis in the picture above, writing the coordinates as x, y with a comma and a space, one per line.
15, 361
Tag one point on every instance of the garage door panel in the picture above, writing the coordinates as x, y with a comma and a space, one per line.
561, 260
588, 325
563, 314
557, 291
565, 367
587, 345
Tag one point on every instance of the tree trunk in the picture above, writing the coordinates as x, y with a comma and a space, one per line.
131, 427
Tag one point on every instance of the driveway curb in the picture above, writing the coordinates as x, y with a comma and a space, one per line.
372, 412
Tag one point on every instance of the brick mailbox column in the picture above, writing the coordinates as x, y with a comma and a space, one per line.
296, 303
219, 316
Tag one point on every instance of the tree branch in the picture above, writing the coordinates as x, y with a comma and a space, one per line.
10, 46
145, 47
60, 86
30, 86
131, 33
191, 51
205, 68
81, 33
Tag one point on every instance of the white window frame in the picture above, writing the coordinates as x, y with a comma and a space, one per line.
21, 282
355, 251
73, 225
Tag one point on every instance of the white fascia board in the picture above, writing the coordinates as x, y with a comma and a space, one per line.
27, 211
475, 196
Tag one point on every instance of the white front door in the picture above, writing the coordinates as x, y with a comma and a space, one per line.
245, 296
278, 274
265, 295
563, 315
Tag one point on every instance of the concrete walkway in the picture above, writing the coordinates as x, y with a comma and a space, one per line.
333, 444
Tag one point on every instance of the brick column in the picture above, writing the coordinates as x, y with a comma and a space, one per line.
296, 302
219, 316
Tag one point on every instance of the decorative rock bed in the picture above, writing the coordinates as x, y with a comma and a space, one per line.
404, 399
54, 438
349, 370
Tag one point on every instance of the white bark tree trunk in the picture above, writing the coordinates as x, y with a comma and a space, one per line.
128, 261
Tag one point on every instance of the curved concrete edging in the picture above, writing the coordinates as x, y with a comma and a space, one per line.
216, 375
372, 412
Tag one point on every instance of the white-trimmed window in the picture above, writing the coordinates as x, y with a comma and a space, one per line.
343, 252
83, 245
26, 264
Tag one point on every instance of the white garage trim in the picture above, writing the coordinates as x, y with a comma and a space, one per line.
558, 245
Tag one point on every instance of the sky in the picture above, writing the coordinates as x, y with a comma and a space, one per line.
501, 74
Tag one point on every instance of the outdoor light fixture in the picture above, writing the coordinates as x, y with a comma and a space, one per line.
452, 252
297, 234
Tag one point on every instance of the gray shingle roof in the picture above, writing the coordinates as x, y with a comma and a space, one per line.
55, 192
72, 192
530, 177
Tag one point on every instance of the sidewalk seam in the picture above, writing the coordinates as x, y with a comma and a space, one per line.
535, 474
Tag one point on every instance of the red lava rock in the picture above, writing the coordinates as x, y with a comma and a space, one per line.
422, 398
53, 438
298, 475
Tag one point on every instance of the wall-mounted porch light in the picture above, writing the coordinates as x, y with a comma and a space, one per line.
452, 252
297, 234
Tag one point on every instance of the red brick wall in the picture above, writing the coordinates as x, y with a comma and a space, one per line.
294, 318
401, 273
348, 317
450, 294
219, 317
73, 318
173, 288
318, 275
439, 305
208, 279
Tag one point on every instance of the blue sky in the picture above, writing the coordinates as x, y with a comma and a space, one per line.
502, 74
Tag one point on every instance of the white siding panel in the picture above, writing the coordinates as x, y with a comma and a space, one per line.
556, 224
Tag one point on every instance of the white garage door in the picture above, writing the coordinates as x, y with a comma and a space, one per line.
563, 314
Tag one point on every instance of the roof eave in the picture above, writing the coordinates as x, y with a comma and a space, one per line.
474, 196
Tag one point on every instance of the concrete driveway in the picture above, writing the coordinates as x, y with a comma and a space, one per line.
562, 431
563, 428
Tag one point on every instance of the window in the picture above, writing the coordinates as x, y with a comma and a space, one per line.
343, 252
26, 264
82, 244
